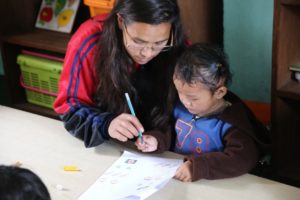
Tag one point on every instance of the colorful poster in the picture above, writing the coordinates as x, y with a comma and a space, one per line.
57, 15
132, 177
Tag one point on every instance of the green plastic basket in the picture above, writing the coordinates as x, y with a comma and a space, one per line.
40, 78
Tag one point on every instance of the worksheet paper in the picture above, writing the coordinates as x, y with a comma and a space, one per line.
132, 177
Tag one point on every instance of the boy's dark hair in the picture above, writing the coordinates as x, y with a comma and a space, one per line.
203, 63
21, 184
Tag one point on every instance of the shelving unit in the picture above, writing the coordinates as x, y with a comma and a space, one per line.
285, 117
50, 42
22, 35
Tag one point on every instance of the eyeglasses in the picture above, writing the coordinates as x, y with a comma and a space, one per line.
142, 47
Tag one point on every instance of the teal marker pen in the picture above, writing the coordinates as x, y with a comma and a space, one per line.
133, 113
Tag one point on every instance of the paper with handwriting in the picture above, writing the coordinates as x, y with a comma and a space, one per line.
132, 177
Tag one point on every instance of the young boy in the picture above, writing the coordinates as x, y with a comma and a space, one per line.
21, 184
219, 135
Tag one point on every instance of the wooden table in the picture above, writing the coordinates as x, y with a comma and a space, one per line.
44, 146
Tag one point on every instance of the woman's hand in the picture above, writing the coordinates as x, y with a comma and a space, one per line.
149, 143
124, 127
184, 172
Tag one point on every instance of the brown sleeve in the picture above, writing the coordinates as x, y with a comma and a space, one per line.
239, 156
164, 140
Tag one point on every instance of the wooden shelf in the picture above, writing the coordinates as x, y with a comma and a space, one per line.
38, 40
287, 173
41, 39
285, 108
290, 2
20, 34
290, 90
290, 172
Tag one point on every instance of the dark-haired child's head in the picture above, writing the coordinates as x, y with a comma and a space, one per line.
203, 63
201, 77
21, 184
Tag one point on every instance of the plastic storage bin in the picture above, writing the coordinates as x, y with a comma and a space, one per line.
99, 6
39, 77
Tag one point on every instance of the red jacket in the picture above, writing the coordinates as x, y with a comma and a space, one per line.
77, 86
77, 80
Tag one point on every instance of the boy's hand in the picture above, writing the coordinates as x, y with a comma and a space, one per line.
149, 143
184, 172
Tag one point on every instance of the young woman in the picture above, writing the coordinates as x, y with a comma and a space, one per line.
219, 135
133, 50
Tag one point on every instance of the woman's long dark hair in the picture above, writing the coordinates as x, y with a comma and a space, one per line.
114, 63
